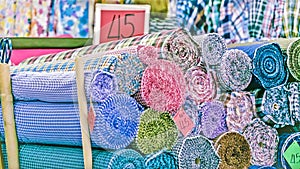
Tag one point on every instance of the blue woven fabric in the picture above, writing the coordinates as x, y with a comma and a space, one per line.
261, 167
57, 157
163, 159
115, 124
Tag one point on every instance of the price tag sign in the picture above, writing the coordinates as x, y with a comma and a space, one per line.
115, 22
292, 155
183, 122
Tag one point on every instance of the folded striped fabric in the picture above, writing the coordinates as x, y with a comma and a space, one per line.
163, 86
41, 156
212, 119
196, 152
240, 108
234, 151
288, 142
293, 59
161, 159
156, 131
200, 85
235, 71
115, 125
263, 141
291, 19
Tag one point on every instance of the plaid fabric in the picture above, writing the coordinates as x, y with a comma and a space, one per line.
263, 141
41, 156
233, 21
59, 124
156, 131
233, 150
212, 13
294, 100
191, 150
163, 158
291, 19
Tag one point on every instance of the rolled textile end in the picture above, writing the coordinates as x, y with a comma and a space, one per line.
288, 148
269, 65
235, 71
163, 86
156, 131
261, 167
233, 150
116, 121
163, 159
147, 54
275, 107
263, 141
293, 64
240, 108
196, 152
200, 85
212, 119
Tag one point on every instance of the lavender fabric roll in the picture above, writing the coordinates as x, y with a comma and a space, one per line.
163, 159
235, 71
196, 152
263, 141
240, 108
212, 119
234, 151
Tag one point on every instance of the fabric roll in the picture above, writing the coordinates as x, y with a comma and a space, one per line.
196, 152
275, 109
115, 124
213, 48
192, 110
235, 72
156, 131
261, 167
164, 159
285, 141
163, 86
234, 151
200, 85
293, 52
116, 121
213, 119
161, 40
42, 156
240, 108
263, 141
147, 54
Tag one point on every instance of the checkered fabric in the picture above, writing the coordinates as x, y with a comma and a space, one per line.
234, 151
294, 100
233, 21
42, 156
212, 13
291, 19
115, 126
196, 152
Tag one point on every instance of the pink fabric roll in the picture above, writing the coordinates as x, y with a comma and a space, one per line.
163, 86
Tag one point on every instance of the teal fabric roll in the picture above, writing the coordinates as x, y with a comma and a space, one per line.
163, 159
55, 157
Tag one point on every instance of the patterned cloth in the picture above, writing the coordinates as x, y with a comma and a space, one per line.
234, 21
7, 19
23, 18
200, 85
40, 19
196, 152
285, 141
163, 159
291, 19
233, 150
156, 131
293, 89
261, 167
212, 119
240, 108
293, 59
235, 71
115, 126
192, 110
41, 156
163, 86
263, 141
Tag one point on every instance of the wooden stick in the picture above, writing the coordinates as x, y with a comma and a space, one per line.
11, 139
82, 101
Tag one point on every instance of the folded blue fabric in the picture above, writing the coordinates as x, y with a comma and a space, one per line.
42, 156
115, 123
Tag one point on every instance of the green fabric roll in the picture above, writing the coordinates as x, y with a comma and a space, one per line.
293, 64
55, 157
156, 131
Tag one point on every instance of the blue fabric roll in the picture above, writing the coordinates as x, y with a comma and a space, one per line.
57, 157
261, 167
163, 159
115, 125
